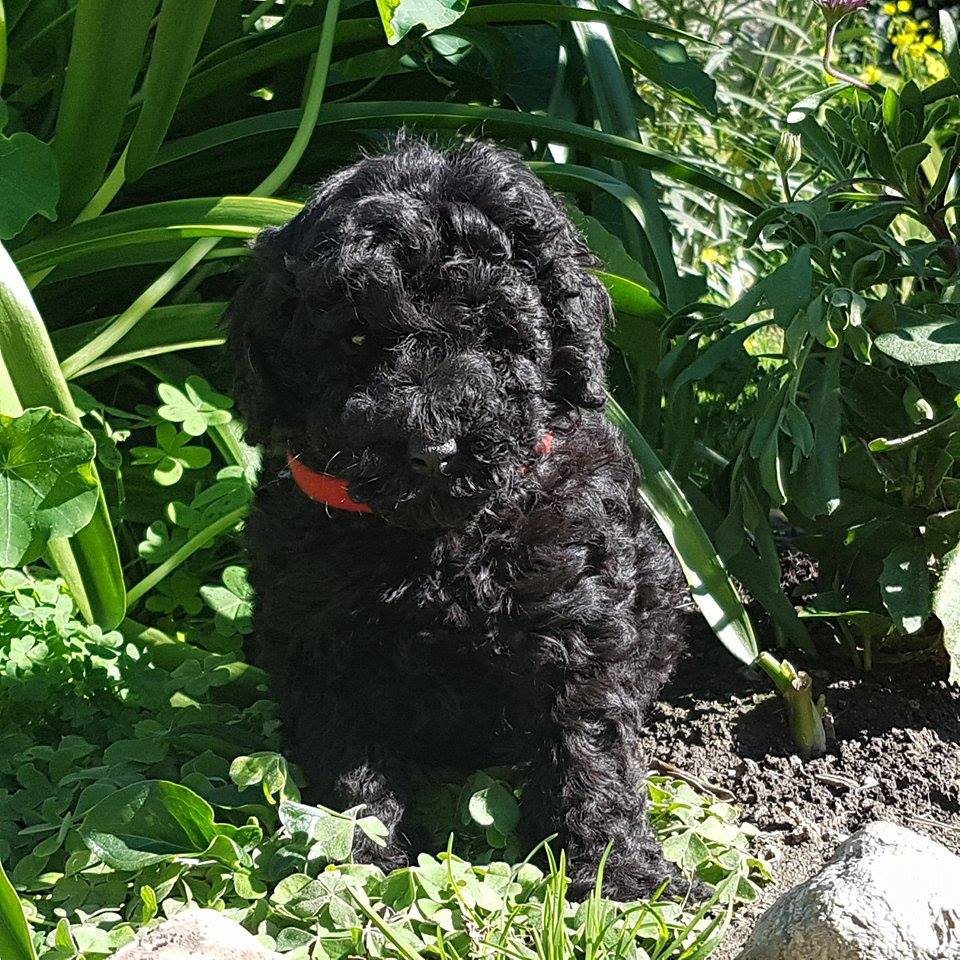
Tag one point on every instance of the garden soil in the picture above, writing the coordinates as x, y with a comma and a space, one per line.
894, 755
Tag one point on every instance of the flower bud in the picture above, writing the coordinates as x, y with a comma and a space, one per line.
789, 151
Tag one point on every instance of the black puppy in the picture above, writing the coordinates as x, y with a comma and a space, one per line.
449, 559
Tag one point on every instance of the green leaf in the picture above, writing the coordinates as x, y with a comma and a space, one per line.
267, 768
924, 344
15, 940
47, 486
667, 64
196, 407
495, 121
399, 17
180, 29
495, 806
330, 834
951, 45
709, 581
946, 605
29, 183
105, 57
232, 603
147, 823
905, 585
89, 561
238, 217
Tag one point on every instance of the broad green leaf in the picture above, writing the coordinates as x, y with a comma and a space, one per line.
269, 769
15, 940
197, 406
47, 486
29, 183
401, 16
148, 822
330, 834
905, 585
946, 605
951, 45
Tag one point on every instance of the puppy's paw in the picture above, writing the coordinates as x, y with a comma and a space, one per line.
391, 857
627, 881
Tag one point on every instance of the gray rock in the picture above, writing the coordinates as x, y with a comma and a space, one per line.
887, 894
196, 935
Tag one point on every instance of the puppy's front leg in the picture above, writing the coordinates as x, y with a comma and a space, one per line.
345, 770
588, 784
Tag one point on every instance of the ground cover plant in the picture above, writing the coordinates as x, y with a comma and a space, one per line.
781, 248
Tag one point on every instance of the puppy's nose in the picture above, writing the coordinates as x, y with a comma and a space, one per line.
427, 458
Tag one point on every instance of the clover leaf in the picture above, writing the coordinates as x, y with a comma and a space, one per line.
196, 407
172, 455
232, 604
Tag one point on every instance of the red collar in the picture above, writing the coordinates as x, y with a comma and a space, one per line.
332, 491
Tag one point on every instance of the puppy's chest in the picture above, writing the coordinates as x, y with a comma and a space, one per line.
401, 588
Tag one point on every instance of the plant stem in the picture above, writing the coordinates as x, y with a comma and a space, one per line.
838, 74
195, 543
130, 317
805, 716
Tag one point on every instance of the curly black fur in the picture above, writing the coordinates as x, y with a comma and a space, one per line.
514, 607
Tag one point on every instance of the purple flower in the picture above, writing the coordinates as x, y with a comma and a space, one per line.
836, 10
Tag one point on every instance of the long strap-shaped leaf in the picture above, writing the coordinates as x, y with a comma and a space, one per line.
709, 582
267, 55
614, 106
88, 561
105, 57
495, 121
240, 217
180, 32
15, 942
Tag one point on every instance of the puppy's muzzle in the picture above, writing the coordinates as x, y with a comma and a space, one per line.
430, 458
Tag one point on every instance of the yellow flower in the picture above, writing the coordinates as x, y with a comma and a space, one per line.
871, 75
889, 9
904, 6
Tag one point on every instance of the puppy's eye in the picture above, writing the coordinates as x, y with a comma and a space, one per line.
355, 343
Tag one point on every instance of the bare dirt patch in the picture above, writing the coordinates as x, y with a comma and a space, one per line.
895, 756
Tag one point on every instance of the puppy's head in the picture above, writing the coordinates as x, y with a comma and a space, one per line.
417, 327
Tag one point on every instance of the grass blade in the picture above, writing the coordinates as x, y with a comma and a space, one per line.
88, 561
709, 582
105, 56
180, 31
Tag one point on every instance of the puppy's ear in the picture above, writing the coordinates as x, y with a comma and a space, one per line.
256, 323
579, 349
